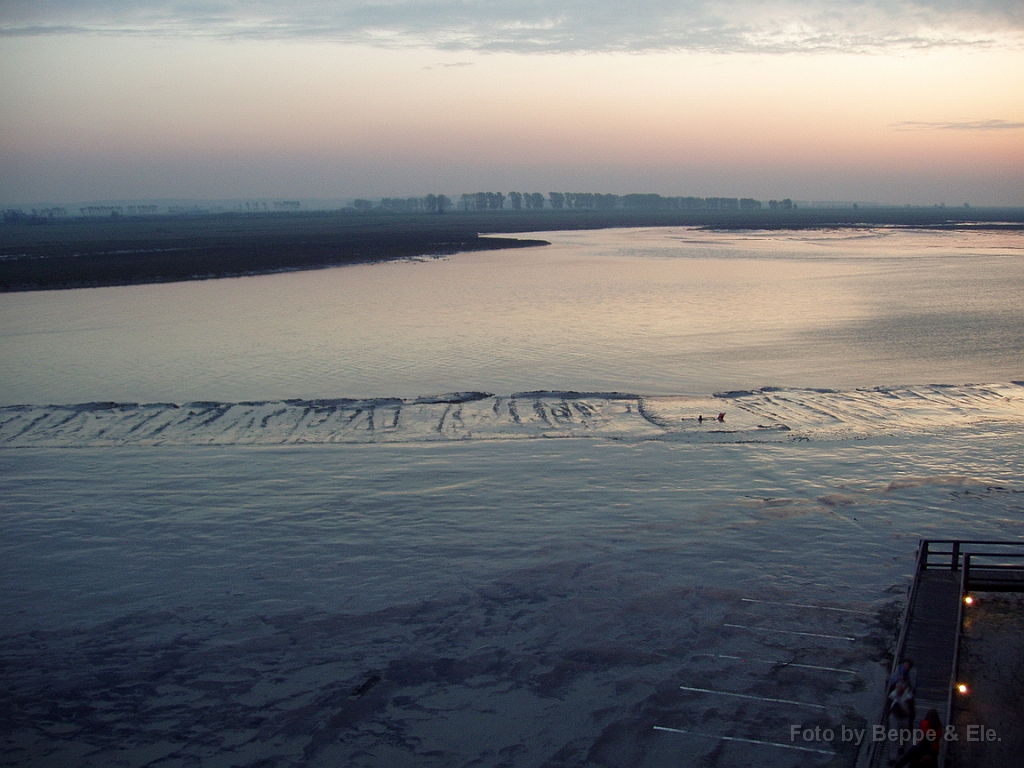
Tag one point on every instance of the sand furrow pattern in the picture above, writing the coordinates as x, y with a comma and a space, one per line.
768, 415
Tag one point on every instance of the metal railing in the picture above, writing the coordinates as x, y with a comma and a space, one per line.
954, 674
953, 557
963, 556
998, 571
875, 747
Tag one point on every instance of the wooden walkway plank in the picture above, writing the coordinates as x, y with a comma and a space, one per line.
931, 636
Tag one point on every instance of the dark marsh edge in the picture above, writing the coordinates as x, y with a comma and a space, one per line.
82, 252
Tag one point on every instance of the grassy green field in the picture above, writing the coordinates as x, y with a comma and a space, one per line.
81, 252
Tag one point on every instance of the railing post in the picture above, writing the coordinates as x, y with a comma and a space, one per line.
922, 555
967, 572
956, 555
954, 674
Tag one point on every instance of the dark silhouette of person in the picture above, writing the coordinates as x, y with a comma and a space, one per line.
925, 754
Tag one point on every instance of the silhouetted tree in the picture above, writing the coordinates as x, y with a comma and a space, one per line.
37, 216
557, 200
649, 202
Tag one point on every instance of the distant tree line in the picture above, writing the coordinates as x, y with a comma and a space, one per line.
102, 210
531, 201
118, 211
657, 202
428, 204
36, 216
483, 201
496, 201
475, 201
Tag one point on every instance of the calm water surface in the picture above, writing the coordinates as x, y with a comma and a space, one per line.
662, 311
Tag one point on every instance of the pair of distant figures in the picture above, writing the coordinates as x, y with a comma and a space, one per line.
700, 419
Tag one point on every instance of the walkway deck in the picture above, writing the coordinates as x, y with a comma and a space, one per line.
930, 635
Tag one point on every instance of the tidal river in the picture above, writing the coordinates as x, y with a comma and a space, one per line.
462, 511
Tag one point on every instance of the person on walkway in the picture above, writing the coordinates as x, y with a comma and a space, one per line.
925, 754
906, 673
901, 705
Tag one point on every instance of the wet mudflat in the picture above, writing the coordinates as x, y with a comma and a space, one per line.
594, 602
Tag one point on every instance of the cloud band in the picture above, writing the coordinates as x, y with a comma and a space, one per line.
964, 125
539, 26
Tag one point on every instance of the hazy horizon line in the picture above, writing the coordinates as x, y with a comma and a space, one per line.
342, 202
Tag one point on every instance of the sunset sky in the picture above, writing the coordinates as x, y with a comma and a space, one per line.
894, 101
